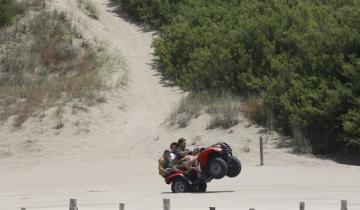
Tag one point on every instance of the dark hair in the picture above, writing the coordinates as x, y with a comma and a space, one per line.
166, 152
174, 143
197, 149
181, 140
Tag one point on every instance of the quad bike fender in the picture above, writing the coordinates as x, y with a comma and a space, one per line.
204, 156
173, 176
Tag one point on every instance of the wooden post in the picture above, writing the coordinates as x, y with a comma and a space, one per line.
73, 204
251, 209
344, 205
261, 151
166, 204
212, 208
23, 208
122, 206
302, 205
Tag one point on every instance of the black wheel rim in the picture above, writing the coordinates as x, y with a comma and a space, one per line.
179, 187
216, 168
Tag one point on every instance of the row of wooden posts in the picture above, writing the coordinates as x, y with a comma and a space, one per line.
166, 205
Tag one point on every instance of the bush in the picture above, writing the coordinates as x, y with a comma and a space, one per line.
6, 11
302, 57
154, 13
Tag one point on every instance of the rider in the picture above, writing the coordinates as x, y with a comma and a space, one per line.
182, 150
174, 150
190, 162
166, 165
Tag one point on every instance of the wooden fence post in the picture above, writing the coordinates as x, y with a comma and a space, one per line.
344, 205
212, 208
251, 209
23, 208
166, 204
73, 204
261, 151
302, 205
121, 206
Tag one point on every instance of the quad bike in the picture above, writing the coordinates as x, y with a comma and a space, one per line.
215, 162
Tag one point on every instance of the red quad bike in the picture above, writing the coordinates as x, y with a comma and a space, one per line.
215, 162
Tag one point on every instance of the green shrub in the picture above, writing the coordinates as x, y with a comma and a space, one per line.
302, 57
154, 13
6, 11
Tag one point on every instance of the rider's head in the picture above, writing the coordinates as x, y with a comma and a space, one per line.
195, 151
166, 154
173, 146
182, 142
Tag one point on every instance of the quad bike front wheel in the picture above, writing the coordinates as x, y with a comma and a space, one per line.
234, 166
180, 185
217, 168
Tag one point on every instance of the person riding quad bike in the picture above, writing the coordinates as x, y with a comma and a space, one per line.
215, 162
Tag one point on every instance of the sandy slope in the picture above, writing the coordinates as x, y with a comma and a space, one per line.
108, 154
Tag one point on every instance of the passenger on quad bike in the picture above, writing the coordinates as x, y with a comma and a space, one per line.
190, 162
182, 151
174, 151
166, 165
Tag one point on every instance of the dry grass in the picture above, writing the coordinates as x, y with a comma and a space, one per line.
300, 143
187, 108
224, 112
223, 109
254, 109
46, 63
90, 8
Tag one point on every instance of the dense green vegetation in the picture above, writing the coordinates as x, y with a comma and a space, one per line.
301, 56
6, 11
152, 12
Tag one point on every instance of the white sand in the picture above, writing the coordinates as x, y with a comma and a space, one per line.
108, 155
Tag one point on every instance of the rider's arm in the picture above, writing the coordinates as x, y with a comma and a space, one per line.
186, 158
184, 153
161, 166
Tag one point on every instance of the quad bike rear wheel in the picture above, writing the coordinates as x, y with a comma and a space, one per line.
234, 167
180, 185
200, 187
217, 168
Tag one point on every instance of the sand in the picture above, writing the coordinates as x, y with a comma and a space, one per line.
108, 154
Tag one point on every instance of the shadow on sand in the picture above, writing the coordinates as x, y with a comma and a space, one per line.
116, 8
343, 157
218, 191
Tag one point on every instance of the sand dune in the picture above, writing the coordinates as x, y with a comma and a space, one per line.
108, 155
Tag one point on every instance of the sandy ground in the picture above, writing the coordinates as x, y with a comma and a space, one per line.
108, 154
103, 185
